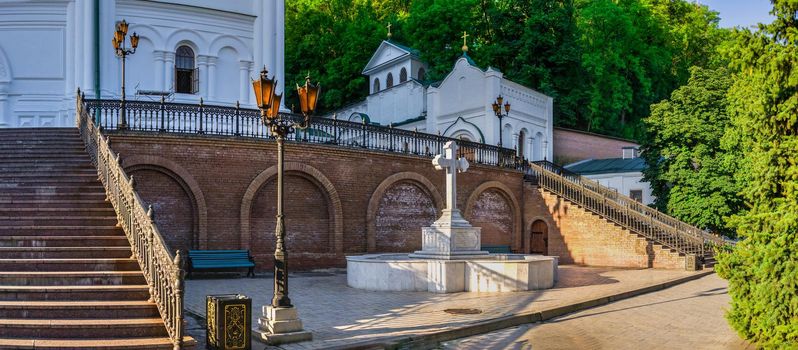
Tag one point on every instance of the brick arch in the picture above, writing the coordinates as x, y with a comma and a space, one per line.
379, 192
181, 175
505, 192
313, 173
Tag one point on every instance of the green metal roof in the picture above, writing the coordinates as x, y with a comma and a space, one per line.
607, 166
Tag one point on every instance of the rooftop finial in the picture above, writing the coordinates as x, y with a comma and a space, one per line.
465, 47
389, 31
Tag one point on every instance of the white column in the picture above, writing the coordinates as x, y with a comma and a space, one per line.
169, 71
159, 57
69, 72
258, 39
78, 40
269, 35
530, 151
202, 64
109, 64
515, 144
88, 46
4, 117
243, 79
279, 51
212, 77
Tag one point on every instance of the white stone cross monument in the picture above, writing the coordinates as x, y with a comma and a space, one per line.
451, 236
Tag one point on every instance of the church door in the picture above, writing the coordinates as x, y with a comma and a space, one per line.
539, 240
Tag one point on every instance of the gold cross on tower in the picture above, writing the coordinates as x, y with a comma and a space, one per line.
465, 47
389, 30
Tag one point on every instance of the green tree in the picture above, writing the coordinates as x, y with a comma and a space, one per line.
692, 175
763, 267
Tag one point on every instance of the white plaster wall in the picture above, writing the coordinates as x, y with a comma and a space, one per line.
48, 50
399, 103
625, 182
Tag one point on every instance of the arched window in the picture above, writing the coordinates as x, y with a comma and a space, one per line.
521, 136
376, 85
389, 81
186, 77
422, 74
403, 75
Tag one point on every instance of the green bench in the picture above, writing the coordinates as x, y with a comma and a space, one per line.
220, 259
497, 249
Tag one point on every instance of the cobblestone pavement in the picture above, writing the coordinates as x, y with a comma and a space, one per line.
338, 314
686, 316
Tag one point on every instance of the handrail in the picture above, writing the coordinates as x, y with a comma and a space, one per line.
618, 208
202, 119
710, 240
163, 272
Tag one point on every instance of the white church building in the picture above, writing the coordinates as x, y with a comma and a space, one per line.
459, 106
188, 49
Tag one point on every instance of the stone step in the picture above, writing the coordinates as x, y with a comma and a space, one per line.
51, 195
117, 264
59, 158
37, 143
77, 181
61, 220
64, 252
63, 241
76, 204
81, 328
46, 167
70, 278
44, 148
55, 212
77, 309
162, 343
27, 175
76, 230
29, 293
8, 191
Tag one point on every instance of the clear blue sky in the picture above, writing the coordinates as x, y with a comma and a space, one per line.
743, 13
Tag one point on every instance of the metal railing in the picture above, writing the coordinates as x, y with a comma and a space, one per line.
620, 209
709, 240
163, 271
204, 119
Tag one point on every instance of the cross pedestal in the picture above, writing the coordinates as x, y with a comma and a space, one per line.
451, 237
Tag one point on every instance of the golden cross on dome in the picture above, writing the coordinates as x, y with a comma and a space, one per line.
465, 36
389, 30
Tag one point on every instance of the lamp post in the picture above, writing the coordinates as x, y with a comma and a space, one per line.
122, 51
281, 125
497, 109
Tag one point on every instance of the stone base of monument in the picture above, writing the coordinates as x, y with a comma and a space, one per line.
489, 273
280, 326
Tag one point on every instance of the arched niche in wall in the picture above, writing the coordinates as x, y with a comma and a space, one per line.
493, 207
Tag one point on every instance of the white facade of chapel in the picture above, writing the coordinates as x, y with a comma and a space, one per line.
459, 106
50, 48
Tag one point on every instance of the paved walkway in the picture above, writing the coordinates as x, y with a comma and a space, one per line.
339, 315
687, 316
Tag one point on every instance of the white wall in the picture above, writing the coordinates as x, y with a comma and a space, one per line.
624, 183
48, 49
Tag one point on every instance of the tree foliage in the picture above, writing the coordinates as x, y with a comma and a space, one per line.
604, 61
691, 168
763, 268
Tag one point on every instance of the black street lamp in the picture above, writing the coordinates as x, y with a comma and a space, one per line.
497, 109
122, 51
281, 125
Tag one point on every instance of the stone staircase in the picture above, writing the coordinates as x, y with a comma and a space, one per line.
67, 279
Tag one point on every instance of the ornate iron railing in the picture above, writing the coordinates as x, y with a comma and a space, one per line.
621, 209
710, 240
242, 122
163, 271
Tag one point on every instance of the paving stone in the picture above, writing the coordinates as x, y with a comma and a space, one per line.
339, 315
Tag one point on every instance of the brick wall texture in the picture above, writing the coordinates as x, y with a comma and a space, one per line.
220, 193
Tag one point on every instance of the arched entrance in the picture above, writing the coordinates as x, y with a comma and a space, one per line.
539, 239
